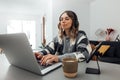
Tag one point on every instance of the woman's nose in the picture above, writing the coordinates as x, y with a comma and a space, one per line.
63, 21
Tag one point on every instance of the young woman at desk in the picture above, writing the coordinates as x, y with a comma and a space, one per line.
69, 43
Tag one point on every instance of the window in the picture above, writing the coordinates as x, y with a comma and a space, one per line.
26, 26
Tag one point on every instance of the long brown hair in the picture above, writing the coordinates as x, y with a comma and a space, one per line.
75, 25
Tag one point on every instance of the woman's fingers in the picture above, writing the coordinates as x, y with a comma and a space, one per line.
45, 58
49, 59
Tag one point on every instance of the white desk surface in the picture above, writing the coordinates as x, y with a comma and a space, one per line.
108, 72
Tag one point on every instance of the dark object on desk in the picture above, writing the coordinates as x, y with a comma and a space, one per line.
94, 52
93, 70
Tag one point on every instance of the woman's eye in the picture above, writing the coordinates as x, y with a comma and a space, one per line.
62, 19
67, 19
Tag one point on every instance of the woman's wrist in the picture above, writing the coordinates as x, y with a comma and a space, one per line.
56, 58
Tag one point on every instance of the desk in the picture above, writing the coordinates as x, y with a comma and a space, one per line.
108, 72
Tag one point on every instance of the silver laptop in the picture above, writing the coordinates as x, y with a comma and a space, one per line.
19, 53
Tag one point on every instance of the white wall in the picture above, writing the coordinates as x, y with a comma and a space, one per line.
48, 15
92, 14
104, 14
36, 9
80, 7
4, 18
26, 10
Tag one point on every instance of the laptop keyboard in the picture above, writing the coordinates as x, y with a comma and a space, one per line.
43, 67
47, 68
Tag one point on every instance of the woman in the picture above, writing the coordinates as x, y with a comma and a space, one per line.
69, 43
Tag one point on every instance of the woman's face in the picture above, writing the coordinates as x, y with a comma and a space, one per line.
65, 22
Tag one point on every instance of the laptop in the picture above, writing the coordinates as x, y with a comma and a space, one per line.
19, 53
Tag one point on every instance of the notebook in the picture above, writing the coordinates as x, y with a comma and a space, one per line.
19, 53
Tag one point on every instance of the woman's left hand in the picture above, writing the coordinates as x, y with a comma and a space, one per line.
48, 59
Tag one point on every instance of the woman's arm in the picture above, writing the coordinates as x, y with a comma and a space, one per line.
51, 48
48, 54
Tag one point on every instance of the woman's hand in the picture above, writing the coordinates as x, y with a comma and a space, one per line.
38, 55
48, 59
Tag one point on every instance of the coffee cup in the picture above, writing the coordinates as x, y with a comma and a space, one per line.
70, 67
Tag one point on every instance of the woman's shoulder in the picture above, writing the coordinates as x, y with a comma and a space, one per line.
81, 32
81, 35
